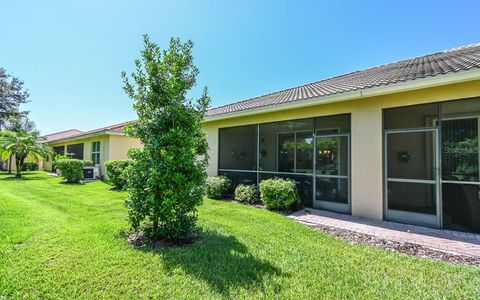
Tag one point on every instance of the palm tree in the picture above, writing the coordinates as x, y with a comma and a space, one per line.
20, 144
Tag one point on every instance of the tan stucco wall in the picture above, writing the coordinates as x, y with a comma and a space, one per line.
119, 146
366, 132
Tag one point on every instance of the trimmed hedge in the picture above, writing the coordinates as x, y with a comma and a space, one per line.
279, 194
30, 166
216, 186
71, 169
88, 163
246, 193
116, 172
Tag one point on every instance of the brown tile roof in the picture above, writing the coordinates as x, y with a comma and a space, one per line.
120, 128
61, 135
449, 61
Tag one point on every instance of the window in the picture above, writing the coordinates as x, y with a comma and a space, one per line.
60, 150
287, 146
238, 148
332, 124
413, 116
75, 151
96, 153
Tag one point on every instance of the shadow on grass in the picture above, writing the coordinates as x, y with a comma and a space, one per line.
25, 176
221, 261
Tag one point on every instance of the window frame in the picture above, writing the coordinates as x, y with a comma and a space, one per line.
81, 154
95, 153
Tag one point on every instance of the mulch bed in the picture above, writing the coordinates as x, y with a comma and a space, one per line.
399, 247
139, 240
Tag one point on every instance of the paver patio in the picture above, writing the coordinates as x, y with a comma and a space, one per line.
438, 239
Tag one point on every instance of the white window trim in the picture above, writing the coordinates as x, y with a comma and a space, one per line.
96, 152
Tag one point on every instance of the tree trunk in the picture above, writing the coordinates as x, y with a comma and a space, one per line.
155, 225
19, 170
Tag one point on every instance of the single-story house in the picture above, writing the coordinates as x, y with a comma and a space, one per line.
98, 145
396, 142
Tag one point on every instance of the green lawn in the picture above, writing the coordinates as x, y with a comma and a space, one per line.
60, 241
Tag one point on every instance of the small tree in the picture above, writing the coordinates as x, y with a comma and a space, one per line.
166, 179
22, 144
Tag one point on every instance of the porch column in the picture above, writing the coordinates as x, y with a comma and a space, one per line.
366, 164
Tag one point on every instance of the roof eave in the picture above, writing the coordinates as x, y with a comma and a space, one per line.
86, 136
405, 86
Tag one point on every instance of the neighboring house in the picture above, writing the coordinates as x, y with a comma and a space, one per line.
98, 145
396, 142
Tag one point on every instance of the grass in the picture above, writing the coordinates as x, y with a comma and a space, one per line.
61, 241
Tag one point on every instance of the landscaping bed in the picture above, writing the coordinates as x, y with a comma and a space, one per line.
399, 247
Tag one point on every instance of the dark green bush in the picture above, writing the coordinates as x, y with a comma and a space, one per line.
167, 177
116, 172
246, 193
216, 186
279, 194
56, 158
30, 166
71, 169
88, 163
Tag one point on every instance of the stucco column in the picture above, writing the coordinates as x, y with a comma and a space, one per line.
366, 164
212, 139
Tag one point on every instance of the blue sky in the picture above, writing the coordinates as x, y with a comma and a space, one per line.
70, 53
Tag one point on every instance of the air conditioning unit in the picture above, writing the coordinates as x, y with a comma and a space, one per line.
88, 173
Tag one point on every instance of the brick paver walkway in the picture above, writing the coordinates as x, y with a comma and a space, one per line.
438, 239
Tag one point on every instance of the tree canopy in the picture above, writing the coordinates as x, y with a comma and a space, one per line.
12, 95
167, 177
20, 145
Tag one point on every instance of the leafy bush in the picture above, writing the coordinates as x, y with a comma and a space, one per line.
58, 157
116, 172
279, 194
167, 178
246, 193
71, 169
30, 166
216, 186
88, 163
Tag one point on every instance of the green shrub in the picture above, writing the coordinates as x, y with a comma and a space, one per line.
116, 172
246, 193
279, 194
88, 163
56, 158
216, 186
71, 169
30, 166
